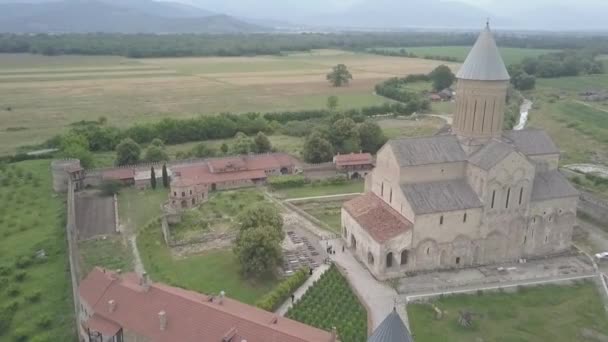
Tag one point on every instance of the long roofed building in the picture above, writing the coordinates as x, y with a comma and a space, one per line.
475, 195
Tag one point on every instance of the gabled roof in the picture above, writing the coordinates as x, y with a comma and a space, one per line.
484, 62
391, 329
353, 159
191, 316
551, 184
532, 141
491, 154
441, 196
379, 219
427, 150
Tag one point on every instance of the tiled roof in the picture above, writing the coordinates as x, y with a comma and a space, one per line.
391, 329
427, 150
484, 62
491, 154
378, 218
191, 316
532, 141
353, 159
441, 196
102, 325
551, 184
118, 174
251, 162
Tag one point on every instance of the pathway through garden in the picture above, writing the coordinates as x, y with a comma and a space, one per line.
316, 274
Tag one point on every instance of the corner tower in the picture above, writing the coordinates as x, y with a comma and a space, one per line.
481, 92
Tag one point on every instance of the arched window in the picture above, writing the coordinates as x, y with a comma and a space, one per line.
382, 189
521, 193
457, 260
183, 194
508, 195
441, 219
389, 260
370, 258
404, 257
464, 217
390, 198
493, 198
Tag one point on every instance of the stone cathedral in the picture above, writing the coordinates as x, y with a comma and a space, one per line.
477, 195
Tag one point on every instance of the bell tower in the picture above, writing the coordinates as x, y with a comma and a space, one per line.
481, 92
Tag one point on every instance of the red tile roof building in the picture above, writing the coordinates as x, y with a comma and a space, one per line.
127, 308
355, 165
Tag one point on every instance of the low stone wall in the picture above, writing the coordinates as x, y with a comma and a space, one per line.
593, 207
71, 234
226, 238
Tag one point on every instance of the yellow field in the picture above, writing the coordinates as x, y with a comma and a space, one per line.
40, 96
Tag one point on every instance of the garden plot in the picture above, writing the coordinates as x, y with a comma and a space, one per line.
325, 210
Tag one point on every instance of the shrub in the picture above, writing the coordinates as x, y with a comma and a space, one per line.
21, 335
5, 270
23, 261
291, 181
13, 290
274, 299
20, 276
34, 297
44, 321
110, 187
6, 316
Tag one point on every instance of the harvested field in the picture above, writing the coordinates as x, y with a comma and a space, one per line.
43, 95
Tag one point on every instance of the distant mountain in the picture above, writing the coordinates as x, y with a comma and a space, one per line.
117, 16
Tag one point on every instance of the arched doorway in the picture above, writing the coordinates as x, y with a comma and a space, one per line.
355, 175
443, 258
284, 171
404, 256
184, 204
389, 260
370, 258
353, 242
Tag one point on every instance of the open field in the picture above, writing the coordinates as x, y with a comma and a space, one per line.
40, 95
547, 313
327, 211
110, 252
509, 55
35, 291
410, 127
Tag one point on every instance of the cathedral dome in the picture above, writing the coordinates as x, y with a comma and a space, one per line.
484, 62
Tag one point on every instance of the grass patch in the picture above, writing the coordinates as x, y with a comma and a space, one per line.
32, 218
547, 313
110, 253
312, 190
325, 211
332, 303
138, 207
210, 272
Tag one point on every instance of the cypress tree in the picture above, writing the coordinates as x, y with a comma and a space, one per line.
152, 178
165, 176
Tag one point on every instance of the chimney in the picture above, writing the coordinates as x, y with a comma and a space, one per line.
162, 317
111, 305
222, 295
334, 334
145, 281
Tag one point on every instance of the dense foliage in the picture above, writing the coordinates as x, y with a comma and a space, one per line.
558, 64
339, 76
171, 45
331, 303
287, 181
274, 299
442, 77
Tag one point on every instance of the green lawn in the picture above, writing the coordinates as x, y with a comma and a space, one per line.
111, 253
210, 272
313, 190
509, 55
547, 313
332, 303
410, 127
138, 207
575, 84
35, 293
325, 211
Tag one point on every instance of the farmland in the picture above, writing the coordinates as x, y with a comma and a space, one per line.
332, 303
509, 55
547, 313
35, 291
41, 96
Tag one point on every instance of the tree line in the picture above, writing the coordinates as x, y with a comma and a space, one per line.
178, 45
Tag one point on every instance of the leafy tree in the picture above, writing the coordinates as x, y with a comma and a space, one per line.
442, 77
345, 136
317, 149
372, 137
339, 76
259, 253
102, 120
262, 215
165, 176
332, 103
152, 178
262, 143
157, 142
242, 144
110, 187
155, 153
75, 145
127, 152
202, 150
224, 148
524, 81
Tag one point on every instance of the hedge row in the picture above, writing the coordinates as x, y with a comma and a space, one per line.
283, 182
274, 299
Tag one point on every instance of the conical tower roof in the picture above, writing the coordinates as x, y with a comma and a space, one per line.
484, 62
391, 329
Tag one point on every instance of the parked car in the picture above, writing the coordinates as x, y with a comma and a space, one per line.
602, 256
